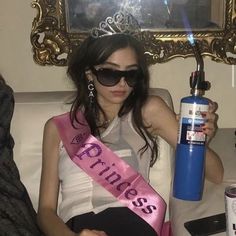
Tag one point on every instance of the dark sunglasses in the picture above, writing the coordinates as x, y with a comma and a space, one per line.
110, 77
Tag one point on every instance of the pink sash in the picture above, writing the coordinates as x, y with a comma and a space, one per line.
114, 174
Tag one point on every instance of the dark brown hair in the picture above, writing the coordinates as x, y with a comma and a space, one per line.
93, 52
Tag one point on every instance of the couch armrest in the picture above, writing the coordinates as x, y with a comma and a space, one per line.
224, 144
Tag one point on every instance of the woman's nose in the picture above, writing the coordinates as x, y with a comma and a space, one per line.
122, 81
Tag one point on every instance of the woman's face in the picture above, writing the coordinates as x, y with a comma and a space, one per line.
124, 59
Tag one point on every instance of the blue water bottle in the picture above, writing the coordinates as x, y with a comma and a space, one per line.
190, 151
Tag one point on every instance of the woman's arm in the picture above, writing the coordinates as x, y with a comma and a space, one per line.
164, 123
48, 220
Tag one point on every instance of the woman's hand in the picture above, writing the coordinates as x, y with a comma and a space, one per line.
210, 126
87, 232
214, 166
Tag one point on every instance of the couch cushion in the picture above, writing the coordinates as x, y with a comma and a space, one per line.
31, 112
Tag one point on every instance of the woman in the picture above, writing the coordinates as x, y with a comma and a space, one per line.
112, 81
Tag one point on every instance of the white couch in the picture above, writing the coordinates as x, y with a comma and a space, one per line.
33, 109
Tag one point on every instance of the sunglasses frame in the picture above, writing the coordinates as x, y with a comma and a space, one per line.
117, 75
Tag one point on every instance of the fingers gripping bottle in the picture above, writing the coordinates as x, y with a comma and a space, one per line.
190, 150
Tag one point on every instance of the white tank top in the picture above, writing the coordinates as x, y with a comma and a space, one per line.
80, 194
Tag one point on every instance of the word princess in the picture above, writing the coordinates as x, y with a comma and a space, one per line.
98, 158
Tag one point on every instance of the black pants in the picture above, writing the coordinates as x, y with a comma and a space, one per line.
117, 221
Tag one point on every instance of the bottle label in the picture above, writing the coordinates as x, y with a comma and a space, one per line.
190, 126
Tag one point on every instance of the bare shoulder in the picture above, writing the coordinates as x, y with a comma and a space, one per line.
160, 118
51, 133
50, 126
154, 105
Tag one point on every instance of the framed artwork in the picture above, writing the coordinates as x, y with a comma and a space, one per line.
61, 25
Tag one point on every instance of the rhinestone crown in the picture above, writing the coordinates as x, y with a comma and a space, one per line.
121, 23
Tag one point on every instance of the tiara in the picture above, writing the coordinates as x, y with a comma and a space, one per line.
121, 23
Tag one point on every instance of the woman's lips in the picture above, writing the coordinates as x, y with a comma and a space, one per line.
118, 93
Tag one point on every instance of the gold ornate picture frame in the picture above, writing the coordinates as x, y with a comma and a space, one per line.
53, 38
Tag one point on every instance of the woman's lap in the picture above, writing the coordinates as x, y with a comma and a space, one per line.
118, 221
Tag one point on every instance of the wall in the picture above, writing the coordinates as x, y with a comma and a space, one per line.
20, 71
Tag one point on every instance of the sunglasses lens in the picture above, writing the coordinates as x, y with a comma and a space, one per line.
109, 77
132, 77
